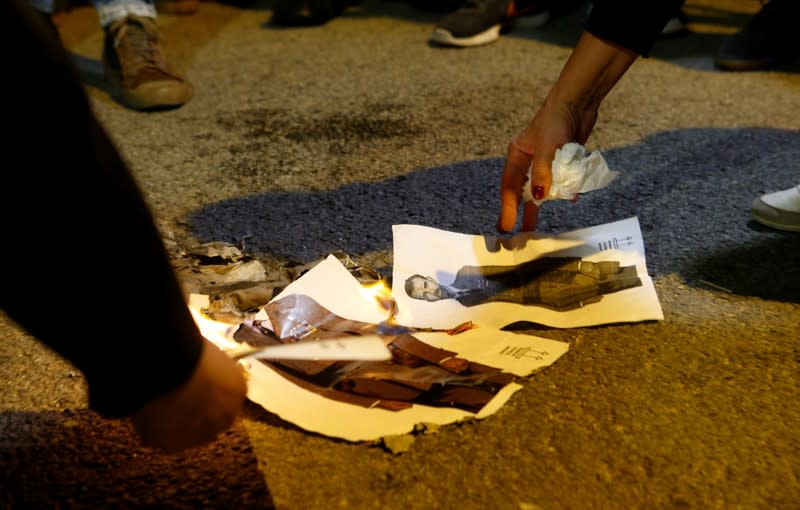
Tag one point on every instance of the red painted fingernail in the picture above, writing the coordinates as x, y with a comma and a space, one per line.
538, 192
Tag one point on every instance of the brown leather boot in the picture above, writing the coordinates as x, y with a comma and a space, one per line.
136, 70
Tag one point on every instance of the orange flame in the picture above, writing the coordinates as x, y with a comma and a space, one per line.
219, 333
382, 293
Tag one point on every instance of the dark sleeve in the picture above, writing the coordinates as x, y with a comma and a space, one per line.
85, 270
632, 24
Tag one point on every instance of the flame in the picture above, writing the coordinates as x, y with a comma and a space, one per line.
382, 294
219, 333
379, 288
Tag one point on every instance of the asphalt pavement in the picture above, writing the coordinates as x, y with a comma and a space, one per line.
303, 142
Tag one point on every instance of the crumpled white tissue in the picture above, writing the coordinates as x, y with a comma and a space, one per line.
573, 172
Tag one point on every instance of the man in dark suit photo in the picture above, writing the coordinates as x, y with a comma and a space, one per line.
558, 283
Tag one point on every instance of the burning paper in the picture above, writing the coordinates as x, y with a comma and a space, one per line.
428, 381
351, 348
417, 373
450, 294
587, 277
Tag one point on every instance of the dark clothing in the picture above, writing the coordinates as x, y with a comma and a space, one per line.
558, 283
632, 24
85, 270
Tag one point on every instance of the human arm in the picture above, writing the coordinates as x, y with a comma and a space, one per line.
603, 54
86, 271
568, 114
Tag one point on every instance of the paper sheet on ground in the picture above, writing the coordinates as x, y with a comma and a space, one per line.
440, 254
332, 286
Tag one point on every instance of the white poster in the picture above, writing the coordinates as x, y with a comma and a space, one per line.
587, 277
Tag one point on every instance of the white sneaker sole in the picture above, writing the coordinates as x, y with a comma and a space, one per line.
445, 38
780, 210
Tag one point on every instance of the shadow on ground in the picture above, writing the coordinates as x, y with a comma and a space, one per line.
76, 459
691, 190
768, 270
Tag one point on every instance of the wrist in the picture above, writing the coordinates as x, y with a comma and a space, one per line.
593, 69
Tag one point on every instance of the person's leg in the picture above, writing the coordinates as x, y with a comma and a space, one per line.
780, 209
135, 67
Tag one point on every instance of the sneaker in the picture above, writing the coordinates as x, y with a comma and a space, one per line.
177, 7
766, 41
780, 209
135, 68
306, 13
481, 22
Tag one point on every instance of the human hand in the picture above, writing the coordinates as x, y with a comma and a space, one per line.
567, 115
553, 125
196, 412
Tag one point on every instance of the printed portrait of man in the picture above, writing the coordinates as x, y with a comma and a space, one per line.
557, 283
